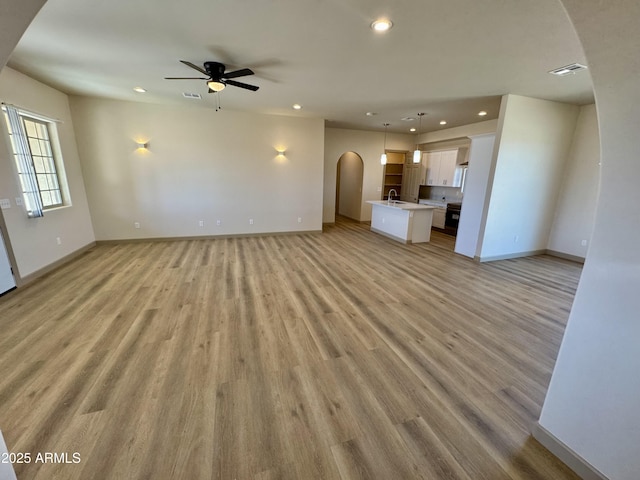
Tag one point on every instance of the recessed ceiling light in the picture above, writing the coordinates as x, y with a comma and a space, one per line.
443, 122
482, 113
297, 106
382, 25
412, 129
139, 89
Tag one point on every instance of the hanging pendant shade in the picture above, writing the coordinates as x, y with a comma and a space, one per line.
383, 157
417, 154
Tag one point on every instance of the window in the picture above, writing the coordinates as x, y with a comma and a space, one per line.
39, 166
43, 162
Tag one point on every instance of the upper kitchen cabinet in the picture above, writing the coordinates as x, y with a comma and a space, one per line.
442, 167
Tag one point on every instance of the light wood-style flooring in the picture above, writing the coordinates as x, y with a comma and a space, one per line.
343, 355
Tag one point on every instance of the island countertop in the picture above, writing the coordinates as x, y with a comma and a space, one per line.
403, 221
401, 205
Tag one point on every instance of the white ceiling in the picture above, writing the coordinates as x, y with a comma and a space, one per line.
449, 59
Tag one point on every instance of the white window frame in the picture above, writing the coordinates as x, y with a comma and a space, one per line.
46, 159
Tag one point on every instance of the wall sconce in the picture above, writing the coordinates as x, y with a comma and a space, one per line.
281, 151
142, 145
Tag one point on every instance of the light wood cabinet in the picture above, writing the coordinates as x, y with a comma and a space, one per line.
393, 173
442, 168
411, 182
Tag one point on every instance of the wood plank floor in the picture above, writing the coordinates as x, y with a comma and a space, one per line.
337, 356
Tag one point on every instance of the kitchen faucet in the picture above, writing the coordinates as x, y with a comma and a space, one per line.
389, 197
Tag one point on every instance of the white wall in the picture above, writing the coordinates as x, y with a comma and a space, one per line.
33, 240
479, 128
350, 195
200, 165
15, 16
533, 142
475, 194
592, 401
369, 145
576, 208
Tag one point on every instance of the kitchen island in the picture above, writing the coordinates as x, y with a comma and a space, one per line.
402, 221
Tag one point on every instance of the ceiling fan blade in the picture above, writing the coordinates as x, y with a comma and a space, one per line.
243, 72
186, 78
253, 88
195, 67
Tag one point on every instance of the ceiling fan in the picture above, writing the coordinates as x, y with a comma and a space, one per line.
216, 77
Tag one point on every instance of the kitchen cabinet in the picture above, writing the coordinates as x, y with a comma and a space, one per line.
439, 212
393, 173
442, 167
404, 222
439, 217
411, 180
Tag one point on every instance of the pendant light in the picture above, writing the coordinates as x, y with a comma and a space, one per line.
383, 157
417, 154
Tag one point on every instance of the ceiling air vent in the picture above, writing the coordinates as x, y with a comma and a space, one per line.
192, 95
567, 69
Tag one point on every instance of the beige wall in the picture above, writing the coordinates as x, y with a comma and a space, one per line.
532, 146
34, 240
369, 145
201, 165
350, 195
576, 208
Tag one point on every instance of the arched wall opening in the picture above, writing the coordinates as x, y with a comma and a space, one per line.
349, 178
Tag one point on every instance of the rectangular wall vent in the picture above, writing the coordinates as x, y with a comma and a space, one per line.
191, 95
567, 69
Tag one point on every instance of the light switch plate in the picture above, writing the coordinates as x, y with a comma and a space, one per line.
19, 201
5, 203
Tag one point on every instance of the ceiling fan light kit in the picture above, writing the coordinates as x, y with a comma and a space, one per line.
215, 86
216, 76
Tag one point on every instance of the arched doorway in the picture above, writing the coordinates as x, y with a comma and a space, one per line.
349, 176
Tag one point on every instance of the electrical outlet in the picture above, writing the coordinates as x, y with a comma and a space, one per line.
516, 238
136, 224
218, 222
251, 221
299, 219
201, 223
379, 189
58, 240
583, 243
5, 203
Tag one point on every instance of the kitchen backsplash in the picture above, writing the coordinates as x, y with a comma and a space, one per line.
446, 194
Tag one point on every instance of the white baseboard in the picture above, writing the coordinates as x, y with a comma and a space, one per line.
570, 458
22, 281
511, 255
566, 256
